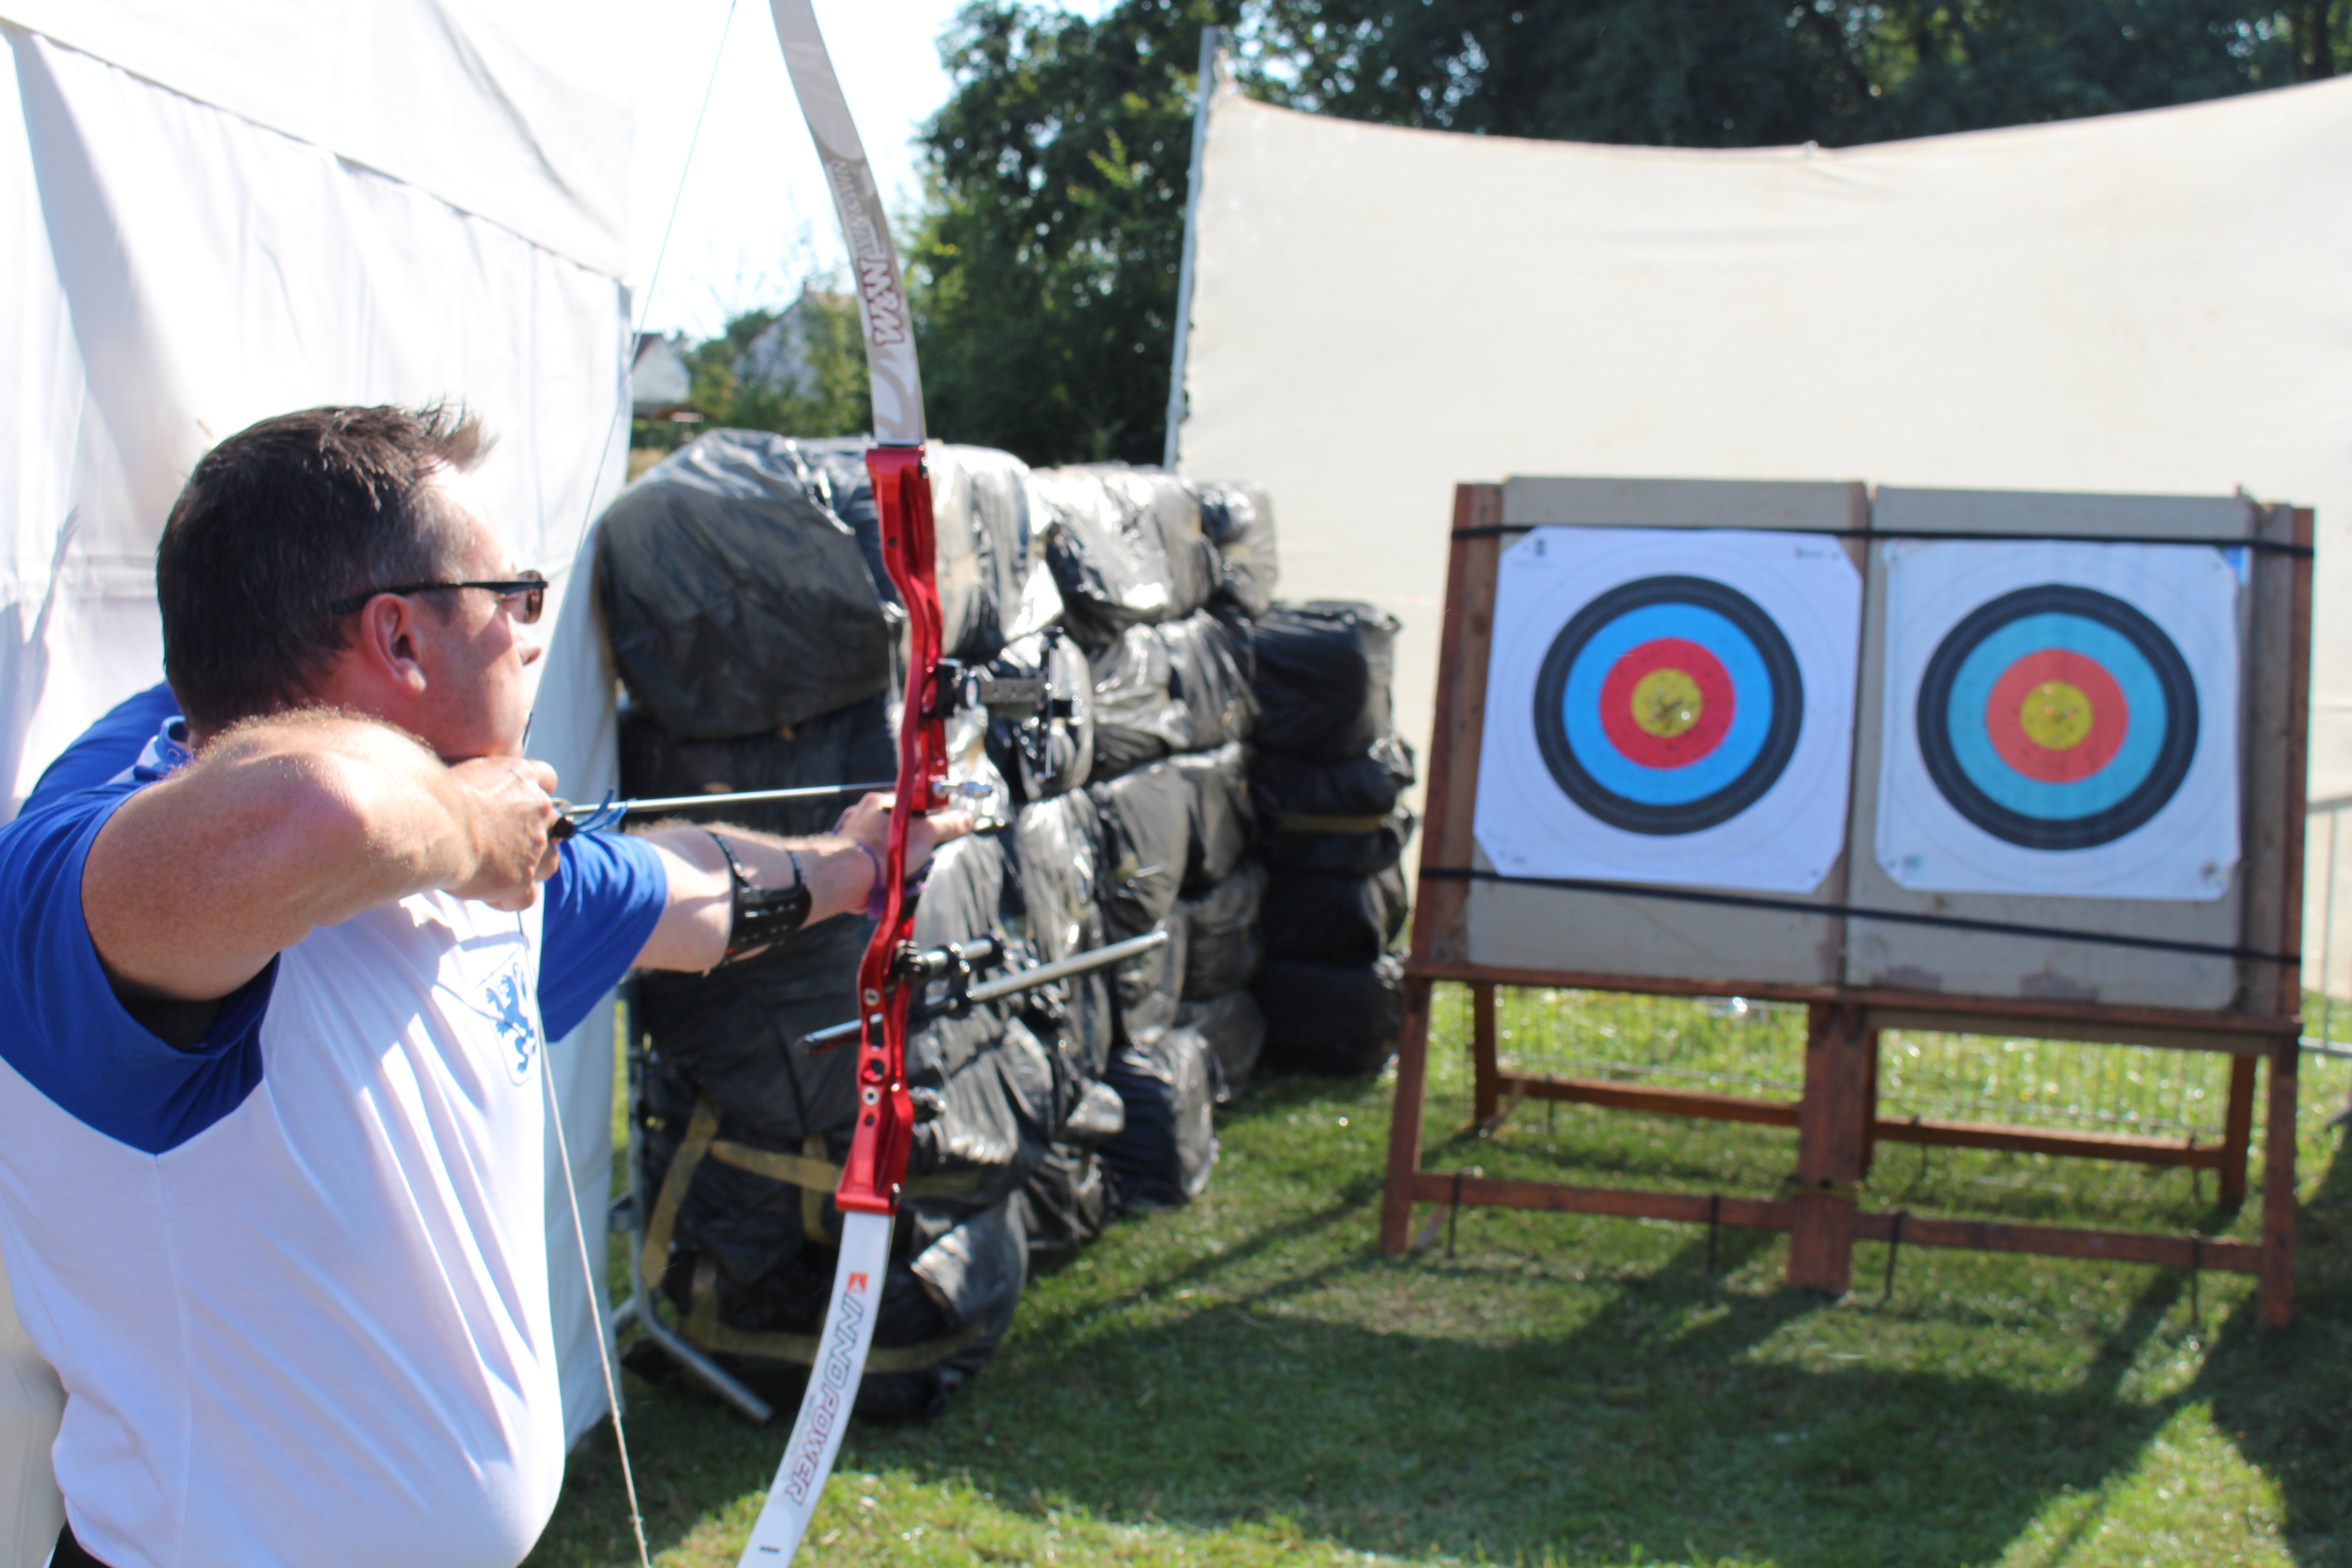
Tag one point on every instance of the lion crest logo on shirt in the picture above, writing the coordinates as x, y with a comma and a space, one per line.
508, 1003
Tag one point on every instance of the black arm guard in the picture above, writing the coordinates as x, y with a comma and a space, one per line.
758, 916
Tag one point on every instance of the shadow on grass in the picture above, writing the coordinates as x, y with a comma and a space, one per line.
1509, 1404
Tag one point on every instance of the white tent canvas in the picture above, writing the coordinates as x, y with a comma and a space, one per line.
2158, 302
211, 215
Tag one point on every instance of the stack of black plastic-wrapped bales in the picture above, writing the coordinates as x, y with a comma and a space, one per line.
755, 634
1327, 780
1144, 593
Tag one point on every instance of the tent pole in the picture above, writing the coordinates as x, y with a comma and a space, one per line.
1211, 40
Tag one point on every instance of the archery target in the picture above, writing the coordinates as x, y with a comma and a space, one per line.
1669, 705
2062, 718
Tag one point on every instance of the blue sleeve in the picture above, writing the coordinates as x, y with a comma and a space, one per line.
107, 747
602, 906
61, 1026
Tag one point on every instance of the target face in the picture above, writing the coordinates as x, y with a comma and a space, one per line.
1672, 706
2061, 719
1667, 705
2057, 717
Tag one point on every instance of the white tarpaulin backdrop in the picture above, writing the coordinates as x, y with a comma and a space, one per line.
212, 215
2155, 302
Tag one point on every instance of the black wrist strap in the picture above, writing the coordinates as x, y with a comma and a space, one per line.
758, 916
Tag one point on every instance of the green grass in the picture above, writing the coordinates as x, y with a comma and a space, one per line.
1248, 1380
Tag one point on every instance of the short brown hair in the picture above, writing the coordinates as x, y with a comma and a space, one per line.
281, 521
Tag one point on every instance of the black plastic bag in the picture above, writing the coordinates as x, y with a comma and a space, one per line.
1219, 821
1357, 793
1163, 1157
1067, 1202
735, 604
1222, 940
1238, 519
1136, 718
850, 745
1047, 753
1323, 678
1333, 919
1338, 854
1337, 1019
1236, 1031
737, 1034
1207, 683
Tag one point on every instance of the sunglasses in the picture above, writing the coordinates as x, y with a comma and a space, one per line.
524, 597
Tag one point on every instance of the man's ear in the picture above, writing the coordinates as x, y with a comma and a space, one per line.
389, 644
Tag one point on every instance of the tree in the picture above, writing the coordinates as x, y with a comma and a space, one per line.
1046, 275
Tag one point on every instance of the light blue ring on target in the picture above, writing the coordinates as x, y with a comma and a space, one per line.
1751, 719
1972, 746
1964, 762
1766, 692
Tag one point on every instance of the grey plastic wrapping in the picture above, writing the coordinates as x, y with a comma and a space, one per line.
1126, 549
1048, 755
735, 603
1136, 717
1149, 986
995, 1118
989, 526
1163, 1157
963, 898
1207, 684
1236, 1031
1219, 821
1067, 1202
1223, 943
1147, 839
1059, 852
1238, 519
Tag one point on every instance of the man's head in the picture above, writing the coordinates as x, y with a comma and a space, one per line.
274, 566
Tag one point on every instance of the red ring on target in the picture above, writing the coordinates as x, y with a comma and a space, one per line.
1623, 728
2110, 717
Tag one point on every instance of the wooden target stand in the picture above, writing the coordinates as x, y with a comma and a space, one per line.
1837, 1120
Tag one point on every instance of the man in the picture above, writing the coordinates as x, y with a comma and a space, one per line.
272, 1022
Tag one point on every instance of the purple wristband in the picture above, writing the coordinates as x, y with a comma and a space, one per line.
877, 906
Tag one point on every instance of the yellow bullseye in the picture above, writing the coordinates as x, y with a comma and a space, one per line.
1666, 702
2056, 715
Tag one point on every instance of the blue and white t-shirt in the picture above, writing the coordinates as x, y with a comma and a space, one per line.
294, 1276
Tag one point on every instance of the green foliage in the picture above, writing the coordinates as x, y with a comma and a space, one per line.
799, 372
1046, 278
1046, 275
1737, 73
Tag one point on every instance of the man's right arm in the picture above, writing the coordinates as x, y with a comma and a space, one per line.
286, 825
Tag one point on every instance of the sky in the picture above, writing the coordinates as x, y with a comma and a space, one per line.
753, 218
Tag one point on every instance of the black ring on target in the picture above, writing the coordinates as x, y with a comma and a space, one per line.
2176, 748
1784, 694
